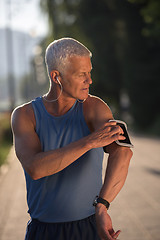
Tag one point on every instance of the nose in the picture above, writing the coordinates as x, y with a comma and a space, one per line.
88, 79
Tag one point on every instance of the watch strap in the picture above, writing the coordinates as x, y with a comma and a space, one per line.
102, 201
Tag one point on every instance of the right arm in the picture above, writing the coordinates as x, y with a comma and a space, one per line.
39, 164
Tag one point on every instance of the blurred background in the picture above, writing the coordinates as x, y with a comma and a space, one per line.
124, 37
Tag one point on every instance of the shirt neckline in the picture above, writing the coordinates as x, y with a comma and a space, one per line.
57, 117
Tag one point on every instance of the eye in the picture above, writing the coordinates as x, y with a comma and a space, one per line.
84, 74
81, 74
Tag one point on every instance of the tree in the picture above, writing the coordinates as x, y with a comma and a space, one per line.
124, 38
145, 64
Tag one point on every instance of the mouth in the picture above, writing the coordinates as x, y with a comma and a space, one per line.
85, 89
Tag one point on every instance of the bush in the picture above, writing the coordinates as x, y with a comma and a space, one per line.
5, 136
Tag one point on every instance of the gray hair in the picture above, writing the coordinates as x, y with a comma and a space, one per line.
58, 52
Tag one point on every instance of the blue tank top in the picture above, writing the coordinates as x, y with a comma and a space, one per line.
68, 194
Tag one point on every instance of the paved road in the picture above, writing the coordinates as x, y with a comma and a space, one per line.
136, 210
13, 208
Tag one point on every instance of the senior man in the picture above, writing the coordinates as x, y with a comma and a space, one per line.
60, 140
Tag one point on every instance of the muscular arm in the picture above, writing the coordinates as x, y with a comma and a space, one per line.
119, 157
39, 164
116, 172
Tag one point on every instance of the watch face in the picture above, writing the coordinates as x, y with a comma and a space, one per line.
95, 202
102, 201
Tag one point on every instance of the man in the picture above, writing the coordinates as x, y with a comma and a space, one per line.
59, 140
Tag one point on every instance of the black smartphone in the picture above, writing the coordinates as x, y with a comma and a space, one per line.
126, 142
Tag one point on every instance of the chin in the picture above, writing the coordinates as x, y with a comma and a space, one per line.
83, 99
85, 96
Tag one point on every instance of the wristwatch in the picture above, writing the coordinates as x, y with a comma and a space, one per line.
102, 201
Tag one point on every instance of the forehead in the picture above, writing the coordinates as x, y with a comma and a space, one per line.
79, 64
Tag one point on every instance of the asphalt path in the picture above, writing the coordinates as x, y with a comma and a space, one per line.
135, 211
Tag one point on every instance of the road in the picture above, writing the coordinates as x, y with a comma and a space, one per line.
136, 210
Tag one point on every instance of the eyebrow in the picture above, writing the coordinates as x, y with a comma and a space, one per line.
78, 72
86, 71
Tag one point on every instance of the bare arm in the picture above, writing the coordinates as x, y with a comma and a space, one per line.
39, 164
119, 157
116, 173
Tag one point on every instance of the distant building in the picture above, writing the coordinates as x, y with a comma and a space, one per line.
22, 46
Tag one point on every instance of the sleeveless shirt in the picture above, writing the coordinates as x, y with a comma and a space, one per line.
68, 194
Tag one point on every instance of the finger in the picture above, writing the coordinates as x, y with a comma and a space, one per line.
119, 129
121, 137
107, 236
109, 126
111, 231
113, 122
115, 130
115, 235
118, 137
110, 123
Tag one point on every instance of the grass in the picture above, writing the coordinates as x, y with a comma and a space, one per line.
4, 150
5, 137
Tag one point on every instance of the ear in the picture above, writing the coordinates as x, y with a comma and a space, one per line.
54, 74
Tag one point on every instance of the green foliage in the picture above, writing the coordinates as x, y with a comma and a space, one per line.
124, 37
5, 137
150, 11
4, 150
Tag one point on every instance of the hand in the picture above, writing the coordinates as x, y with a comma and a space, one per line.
104, 224
107, 134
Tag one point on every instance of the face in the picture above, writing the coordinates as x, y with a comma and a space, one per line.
77, 78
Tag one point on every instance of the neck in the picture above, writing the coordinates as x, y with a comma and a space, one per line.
58, 107
52, 93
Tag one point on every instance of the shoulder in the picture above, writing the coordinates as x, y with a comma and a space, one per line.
24, 110
22, 116
97, 102
96, 111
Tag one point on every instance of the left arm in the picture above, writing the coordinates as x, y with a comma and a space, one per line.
116, 171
